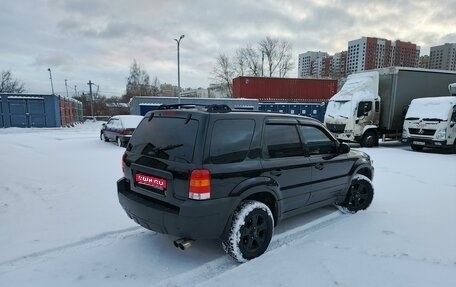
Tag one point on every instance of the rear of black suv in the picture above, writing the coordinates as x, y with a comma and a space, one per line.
233, 176
163, 166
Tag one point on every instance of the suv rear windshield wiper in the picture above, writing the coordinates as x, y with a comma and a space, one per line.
168, 147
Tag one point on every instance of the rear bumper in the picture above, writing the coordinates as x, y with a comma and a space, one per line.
192, 219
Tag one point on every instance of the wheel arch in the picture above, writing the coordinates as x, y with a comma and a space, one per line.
261, 193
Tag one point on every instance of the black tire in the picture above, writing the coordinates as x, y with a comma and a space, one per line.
416, 147
103, 137
359, 195
369, 139
251, 231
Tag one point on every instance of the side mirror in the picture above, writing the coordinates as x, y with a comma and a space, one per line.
103, 125
344, 148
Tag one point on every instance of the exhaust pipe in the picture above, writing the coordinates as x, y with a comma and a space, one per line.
183, 243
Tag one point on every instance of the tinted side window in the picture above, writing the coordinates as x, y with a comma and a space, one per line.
231, 140
281, 141
316, 140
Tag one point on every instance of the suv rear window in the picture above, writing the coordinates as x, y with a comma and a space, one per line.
167, 138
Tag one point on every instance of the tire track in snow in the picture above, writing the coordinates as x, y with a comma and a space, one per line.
225, 263
6, 265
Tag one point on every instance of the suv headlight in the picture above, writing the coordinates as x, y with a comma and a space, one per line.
440, 134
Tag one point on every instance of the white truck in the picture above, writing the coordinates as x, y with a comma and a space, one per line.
372, 105
431, 122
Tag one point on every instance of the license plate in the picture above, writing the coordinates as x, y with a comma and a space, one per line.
148, 180
418, 143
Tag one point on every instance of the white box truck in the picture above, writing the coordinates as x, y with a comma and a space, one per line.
373, 104
431, 122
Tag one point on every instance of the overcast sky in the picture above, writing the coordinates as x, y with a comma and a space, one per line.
97, 40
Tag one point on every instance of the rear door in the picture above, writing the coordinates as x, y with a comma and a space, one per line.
284, 162
330, 171
110, 128
163, 150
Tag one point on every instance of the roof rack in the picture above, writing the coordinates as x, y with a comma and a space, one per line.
209, 108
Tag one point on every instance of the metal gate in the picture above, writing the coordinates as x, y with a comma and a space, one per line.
2, 122
27, 112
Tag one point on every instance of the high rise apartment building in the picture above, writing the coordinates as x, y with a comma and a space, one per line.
369, 53
443, 57
306, 63
339, 65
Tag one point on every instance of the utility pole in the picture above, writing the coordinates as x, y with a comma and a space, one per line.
91, 97
66, 87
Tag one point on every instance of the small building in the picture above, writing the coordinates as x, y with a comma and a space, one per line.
38, 110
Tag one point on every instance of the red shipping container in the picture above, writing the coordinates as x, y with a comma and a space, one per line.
284, 89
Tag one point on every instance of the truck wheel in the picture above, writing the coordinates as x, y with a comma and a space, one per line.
369, 139
251, 231
359, 195
416, 147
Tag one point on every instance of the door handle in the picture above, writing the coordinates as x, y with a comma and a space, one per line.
276, 172
319, 166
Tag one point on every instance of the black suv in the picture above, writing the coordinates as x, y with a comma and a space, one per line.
206, 172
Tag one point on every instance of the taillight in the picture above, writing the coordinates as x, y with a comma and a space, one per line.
124, 156
128, 132
200, 184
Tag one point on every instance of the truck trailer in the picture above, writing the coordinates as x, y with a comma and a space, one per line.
372, 105
284, 89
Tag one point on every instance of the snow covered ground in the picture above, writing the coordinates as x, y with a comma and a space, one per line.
61, 225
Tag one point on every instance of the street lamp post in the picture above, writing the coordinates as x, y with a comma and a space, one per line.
50, 77
66, 87
178, 70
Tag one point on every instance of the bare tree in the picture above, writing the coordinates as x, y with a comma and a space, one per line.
240, 64
286, 66
223, 73
138, 83
155, 87
252, 59
10, 85
278, 56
